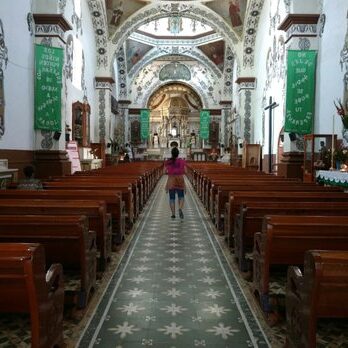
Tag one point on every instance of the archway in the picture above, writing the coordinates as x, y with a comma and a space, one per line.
174, 115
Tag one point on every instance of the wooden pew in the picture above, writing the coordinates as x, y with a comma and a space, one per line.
285, 239
236, 198
26, 287
221, 198
66, 240
125, 190
250, 219
321, 291
99, 219
113, 200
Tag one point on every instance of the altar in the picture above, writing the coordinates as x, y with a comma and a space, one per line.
332, 178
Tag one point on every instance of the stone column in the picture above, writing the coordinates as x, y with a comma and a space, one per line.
301, 34
124, 112
103, 86
245, 90
50, 156
226, 110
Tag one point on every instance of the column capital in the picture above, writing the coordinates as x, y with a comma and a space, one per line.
246, 83
104, 82
51, 25
226, 103
300, 25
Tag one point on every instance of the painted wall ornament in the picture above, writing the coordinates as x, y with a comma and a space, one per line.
175, 71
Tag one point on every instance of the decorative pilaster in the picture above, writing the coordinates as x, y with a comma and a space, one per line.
50, 150
226, 106
246, 86
301, 30
103, 85
124, 112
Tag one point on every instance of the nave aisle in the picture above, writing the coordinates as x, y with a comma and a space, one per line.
173, 288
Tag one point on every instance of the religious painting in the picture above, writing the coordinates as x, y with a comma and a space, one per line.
135, 51
118, 11
233, 11
215, 52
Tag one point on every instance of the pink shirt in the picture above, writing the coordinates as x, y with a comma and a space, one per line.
176, 167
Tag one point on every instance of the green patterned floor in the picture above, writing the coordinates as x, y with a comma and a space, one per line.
173, 288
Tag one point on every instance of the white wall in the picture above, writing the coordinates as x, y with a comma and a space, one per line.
18, 77
329, 72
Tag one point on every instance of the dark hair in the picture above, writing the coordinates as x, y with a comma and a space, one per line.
28, 171
175, 153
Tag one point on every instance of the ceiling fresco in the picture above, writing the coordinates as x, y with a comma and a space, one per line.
215, 51
135, 51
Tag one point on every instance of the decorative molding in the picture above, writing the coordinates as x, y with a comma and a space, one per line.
247, 116
69, 56
104, 82
300, 25
246, 83
47, 141
228, 73
102, 118
51, 25
304, 43
121, 73
321, 24
61, 5
31, 24
99, 21
250, 30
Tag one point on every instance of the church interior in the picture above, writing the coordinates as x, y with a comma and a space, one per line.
94, 97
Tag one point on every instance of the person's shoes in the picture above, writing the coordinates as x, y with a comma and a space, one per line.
173, 216
181, 214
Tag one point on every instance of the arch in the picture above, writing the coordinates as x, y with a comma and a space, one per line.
160, 10
172, 86
195, 91
159, 52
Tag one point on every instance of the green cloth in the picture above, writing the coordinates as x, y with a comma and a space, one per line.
144, 123
204, 124
300, 91
48, 87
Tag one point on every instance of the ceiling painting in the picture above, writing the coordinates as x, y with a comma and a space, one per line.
215, 51
118, 11
135, 51
233, 11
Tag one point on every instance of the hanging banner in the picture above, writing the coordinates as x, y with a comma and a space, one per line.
48, 87
300, 91
204, 116
144, 123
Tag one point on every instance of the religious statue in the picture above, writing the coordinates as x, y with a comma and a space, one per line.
155, 141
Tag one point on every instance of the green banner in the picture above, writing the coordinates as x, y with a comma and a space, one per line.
48, 87
300, 91
144, 123
204, 124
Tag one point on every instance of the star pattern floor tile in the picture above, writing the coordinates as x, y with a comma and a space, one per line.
173, 288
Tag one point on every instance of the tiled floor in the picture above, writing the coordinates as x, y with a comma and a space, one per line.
174, 288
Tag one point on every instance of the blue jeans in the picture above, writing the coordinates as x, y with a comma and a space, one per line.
172, 192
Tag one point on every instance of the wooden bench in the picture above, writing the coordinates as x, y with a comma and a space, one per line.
99, 219
26, 287
221, 198
125, 191
285, 239
321, 291
250, 219
113, 200
66, 240
236, 198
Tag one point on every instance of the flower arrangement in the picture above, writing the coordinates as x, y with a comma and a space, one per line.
342, 112
341, 154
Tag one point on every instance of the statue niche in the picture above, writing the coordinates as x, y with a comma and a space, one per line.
81, 123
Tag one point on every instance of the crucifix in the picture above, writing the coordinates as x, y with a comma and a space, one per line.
270, 107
